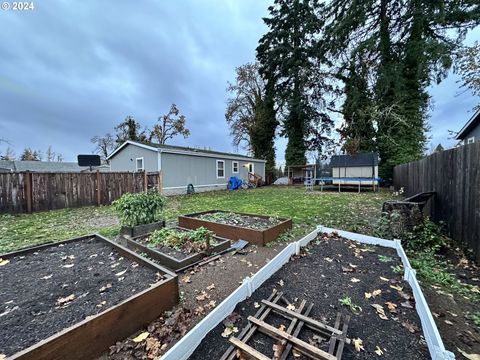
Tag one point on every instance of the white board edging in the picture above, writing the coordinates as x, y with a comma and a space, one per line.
187, 345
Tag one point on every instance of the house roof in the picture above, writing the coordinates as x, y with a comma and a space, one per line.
44, 166
472, 123
181, 150
362, 159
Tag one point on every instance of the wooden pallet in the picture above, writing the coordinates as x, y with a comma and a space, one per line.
289, 337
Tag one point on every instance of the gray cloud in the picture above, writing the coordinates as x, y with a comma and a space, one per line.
72, 70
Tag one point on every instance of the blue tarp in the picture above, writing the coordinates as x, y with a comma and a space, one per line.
234, 183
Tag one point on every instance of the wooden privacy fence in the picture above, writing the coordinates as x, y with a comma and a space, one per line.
36, 191
455, 175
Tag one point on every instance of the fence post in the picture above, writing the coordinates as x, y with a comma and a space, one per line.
29, 190
145, 181
99, 195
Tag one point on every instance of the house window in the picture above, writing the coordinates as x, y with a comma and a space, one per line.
251, 168
471, 140
139, 164
235, 167
220, 169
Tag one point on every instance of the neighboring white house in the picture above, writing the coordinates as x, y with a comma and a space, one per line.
180, 166
470, 133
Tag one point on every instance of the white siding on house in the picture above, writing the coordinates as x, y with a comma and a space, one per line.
357, 172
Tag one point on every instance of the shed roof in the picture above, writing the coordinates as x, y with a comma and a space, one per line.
177, 149
471, 124
362, 159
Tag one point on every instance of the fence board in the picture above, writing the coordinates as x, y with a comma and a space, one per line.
455, 175
65, 190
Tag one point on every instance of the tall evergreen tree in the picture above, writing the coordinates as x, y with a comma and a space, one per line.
410, 44
129, 129
288, 54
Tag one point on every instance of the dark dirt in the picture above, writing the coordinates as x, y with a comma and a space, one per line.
35, 289
225, 274
318, 277
234, 219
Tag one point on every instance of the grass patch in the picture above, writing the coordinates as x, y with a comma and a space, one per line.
348, 210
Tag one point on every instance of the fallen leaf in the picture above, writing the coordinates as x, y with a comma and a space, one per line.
378, 351
469, 356
4, 262
229, 331
448, 322
296, 353
186, 279
380, 311
398, 288
384, 279
358, 343
101, 304
66, 299
346, 269
46, 277
353, 266
202, 296
121, 273
328, 259
68, 266
141, 337
211, 287
3, 357
291, 307
407, 304
282, 327
256, 305
391, 306
105, 287
376, 292
368, 295
354, 280
211, 304
278, 349
281, 283
410, 327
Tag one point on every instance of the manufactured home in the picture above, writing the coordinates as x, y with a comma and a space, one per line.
180, 166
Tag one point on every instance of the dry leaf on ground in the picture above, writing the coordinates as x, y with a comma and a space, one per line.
141, 337
378, 351
66, 299
380, 311
229, 331
410, 327
4, 262
358, 343
291, 307
468, 356
211, 287
186, 279
354, 280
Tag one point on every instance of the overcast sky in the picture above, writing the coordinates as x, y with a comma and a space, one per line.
72, 70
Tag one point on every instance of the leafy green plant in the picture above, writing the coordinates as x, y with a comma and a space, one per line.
139, 208
475, 317
396, 269
384, 258
347, 301
427, 236
188, 241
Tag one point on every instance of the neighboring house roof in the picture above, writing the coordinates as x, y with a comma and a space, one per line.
182, 150
362, 159
46, 166
469, 126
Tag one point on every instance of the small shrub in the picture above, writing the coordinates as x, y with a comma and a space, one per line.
427, 236
188, 241
139, 208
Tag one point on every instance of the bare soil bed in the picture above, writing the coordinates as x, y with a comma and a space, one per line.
331, 269
241, 220
56, 287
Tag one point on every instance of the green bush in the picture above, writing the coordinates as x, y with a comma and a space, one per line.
139, 208
191, 241
425, 237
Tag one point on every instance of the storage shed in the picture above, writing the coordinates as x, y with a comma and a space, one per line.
359, 169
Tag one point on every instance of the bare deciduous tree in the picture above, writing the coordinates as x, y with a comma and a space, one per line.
9, 154
169, 125
103, 145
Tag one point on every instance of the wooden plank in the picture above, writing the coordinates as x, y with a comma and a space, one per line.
29, 191
248, 349
333, 339
300, 345
249, 330
314, 323
342, 337
299, 327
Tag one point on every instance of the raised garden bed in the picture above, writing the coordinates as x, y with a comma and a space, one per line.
337, 275
256, 229
73, 299
176, 258
139, 230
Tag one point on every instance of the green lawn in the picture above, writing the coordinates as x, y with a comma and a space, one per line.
348, 210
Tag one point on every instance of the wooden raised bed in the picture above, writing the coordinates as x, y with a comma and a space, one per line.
91, 337
257, 237
139, 230
170, 261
